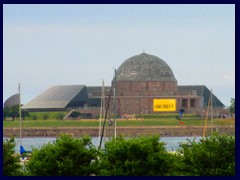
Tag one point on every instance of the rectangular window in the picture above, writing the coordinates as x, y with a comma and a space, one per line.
184, 103
193, 103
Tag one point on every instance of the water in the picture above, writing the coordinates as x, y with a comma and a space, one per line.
172, 143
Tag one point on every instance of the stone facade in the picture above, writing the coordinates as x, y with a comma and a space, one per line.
141, 79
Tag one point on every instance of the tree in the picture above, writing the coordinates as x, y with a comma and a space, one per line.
25, 114
211, 156
6, 112
143, 156
67, 156
13, 112
232, 106
11, 166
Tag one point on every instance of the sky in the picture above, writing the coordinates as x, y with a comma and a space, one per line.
47, 45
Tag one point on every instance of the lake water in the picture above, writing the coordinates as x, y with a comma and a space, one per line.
172, 143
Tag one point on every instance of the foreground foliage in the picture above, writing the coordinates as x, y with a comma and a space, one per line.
137, 157
67, 156
11, 166
212, 156
142, 156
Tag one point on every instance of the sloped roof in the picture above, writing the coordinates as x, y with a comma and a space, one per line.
12, 100
55, 97
202, 90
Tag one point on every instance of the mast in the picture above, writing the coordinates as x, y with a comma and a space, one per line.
100, 118
211, 113
102, 110
115, 124
20, 114
106, 110
205, 124
209, 104
105, 115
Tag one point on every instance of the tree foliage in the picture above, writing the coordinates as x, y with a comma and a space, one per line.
11, 166
60, 116
67, 156
232, 106
212, 156
13, 112
144, 156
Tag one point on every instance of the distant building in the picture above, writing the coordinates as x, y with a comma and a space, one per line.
12, 101
59, 98
145, 84
143, 79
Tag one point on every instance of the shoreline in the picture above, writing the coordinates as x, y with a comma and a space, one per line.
162, 131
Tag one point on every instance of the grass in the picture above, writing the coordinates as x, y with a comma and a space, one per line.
142, 120
50, 115
124, 123
166, 116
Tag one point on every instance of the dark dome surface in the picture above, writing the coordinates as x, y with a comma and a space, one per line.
11, 101
144, 67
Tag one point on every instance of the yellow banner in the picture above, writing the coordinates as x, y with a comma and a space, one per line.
164, 104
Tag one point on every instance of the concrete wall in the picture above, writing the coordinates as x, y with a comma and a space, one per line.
163, 131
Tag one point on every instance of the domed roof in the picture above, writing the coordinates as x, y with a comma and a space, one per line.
12, 101
144, 67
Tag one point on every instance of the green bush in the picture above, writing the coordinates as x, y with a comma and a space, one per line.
75, 114
59, 116
45, 116
144, 156
50, 114
67, 156
11, 166
34, 117
211, 156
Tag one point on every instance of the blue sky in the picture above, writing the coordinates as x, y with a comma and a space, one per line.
46, 45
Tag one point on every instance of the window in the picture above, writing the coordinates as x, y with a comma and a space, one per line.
184, 103
193, 103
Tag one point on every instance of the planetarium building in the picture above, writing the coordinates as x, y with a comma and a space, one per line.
145, 84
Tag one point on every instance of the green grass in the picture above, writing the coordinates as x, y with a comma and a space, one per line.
50, 123
120, 122
141, 120
166, 116
51, 115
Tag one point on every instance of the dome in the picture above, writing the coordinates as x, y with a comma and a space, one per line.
12, 101
144, 67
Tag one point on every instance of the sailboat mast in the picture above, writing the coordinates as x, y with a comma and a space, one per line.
102, 112
211, 113
20, 113
206, 118
115, 124
100, 117
105, 115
